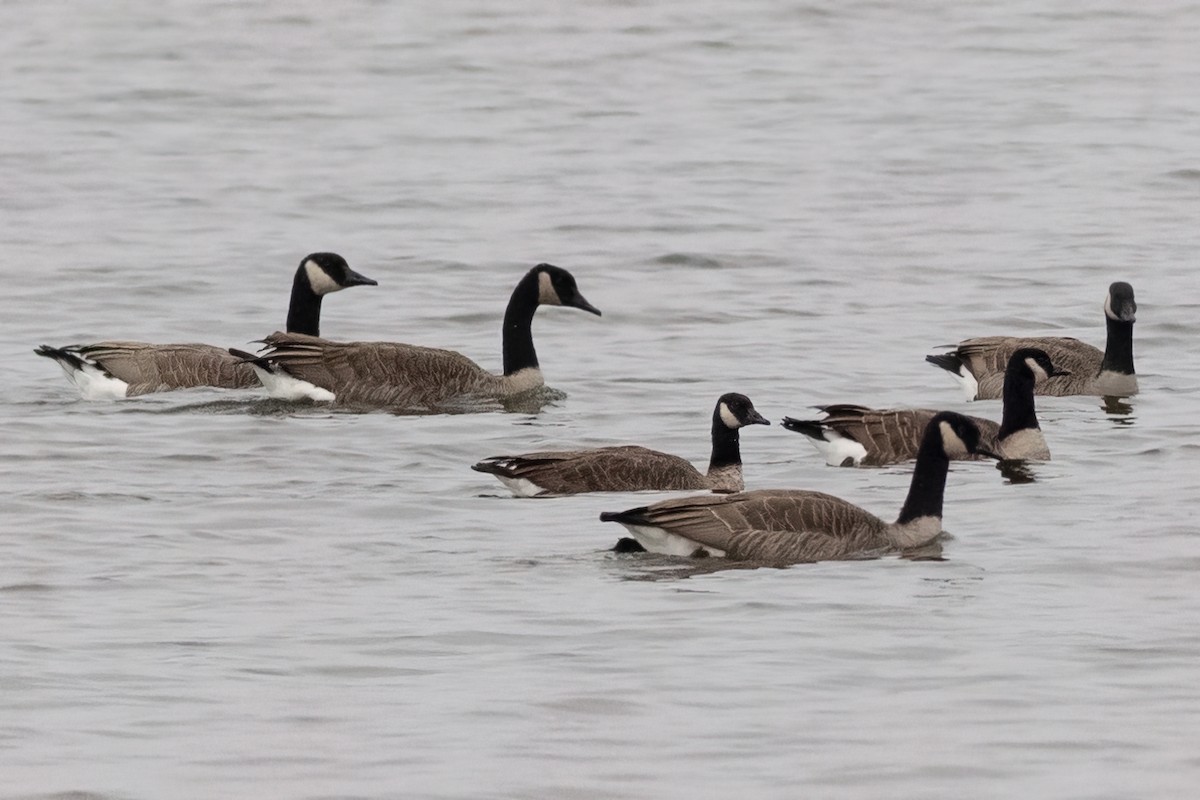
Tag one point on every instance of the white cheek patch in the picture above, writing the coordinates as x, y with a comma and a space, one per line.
1039, 374
728, 418
319, 280
954, 446
1108, 311
547, 296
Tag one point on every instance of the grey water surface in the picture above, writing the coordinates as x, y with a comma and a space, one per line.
205, 594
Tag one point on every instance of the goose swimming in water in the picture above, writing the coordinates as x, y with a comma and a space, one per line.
116, 369
978, 364
786, 526
852, 435
630, 468
387, 374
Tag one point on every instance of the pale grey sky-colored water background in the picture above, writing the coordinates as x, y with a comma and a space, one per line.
203, 595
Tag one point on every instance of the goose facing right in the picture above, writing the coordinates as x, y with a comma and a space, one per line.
785, 526
116, 369
630, 468
394, 375
978, 364
852, 435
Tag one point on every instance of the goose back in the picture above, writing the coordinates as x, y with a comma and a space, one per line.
773, 526
623, 468
986, 357
388, 373
876, 437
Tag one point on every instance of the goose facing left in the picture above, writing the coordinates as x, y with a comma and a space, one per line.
786, 526
115, 369
630, 468
394, 375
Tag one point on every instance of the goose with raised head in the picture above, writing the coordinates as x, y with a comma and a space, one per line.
786, 526
854, 436
631, 468
978, 364
387, 374
116, 369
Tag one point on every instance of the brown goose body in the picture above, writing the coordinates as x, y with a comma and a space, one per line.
405, 376
632, 468
114, 369
147, 368
978, 364
388, 374
852, 435
622, 468
785, 526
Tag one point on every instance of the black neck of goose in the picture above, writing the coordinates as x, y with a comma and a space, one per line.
726, 449
1020, 412
304, 310
928, 481
1118, 353
518, 322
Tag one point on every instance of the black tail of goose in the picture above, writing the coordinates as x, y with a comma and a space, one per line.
780, 526
115, 369
631, 468
978, 364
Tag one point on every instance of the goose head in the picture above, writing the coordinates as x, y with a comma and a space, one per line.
1037, 361
736, 411
1119, 305
556, 287
957, 435
329, 272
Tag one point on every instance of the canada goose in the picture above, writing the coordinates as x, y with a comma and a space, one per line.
630, 468
403, 375
111, 370
852, 435
788, 526
978, 364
